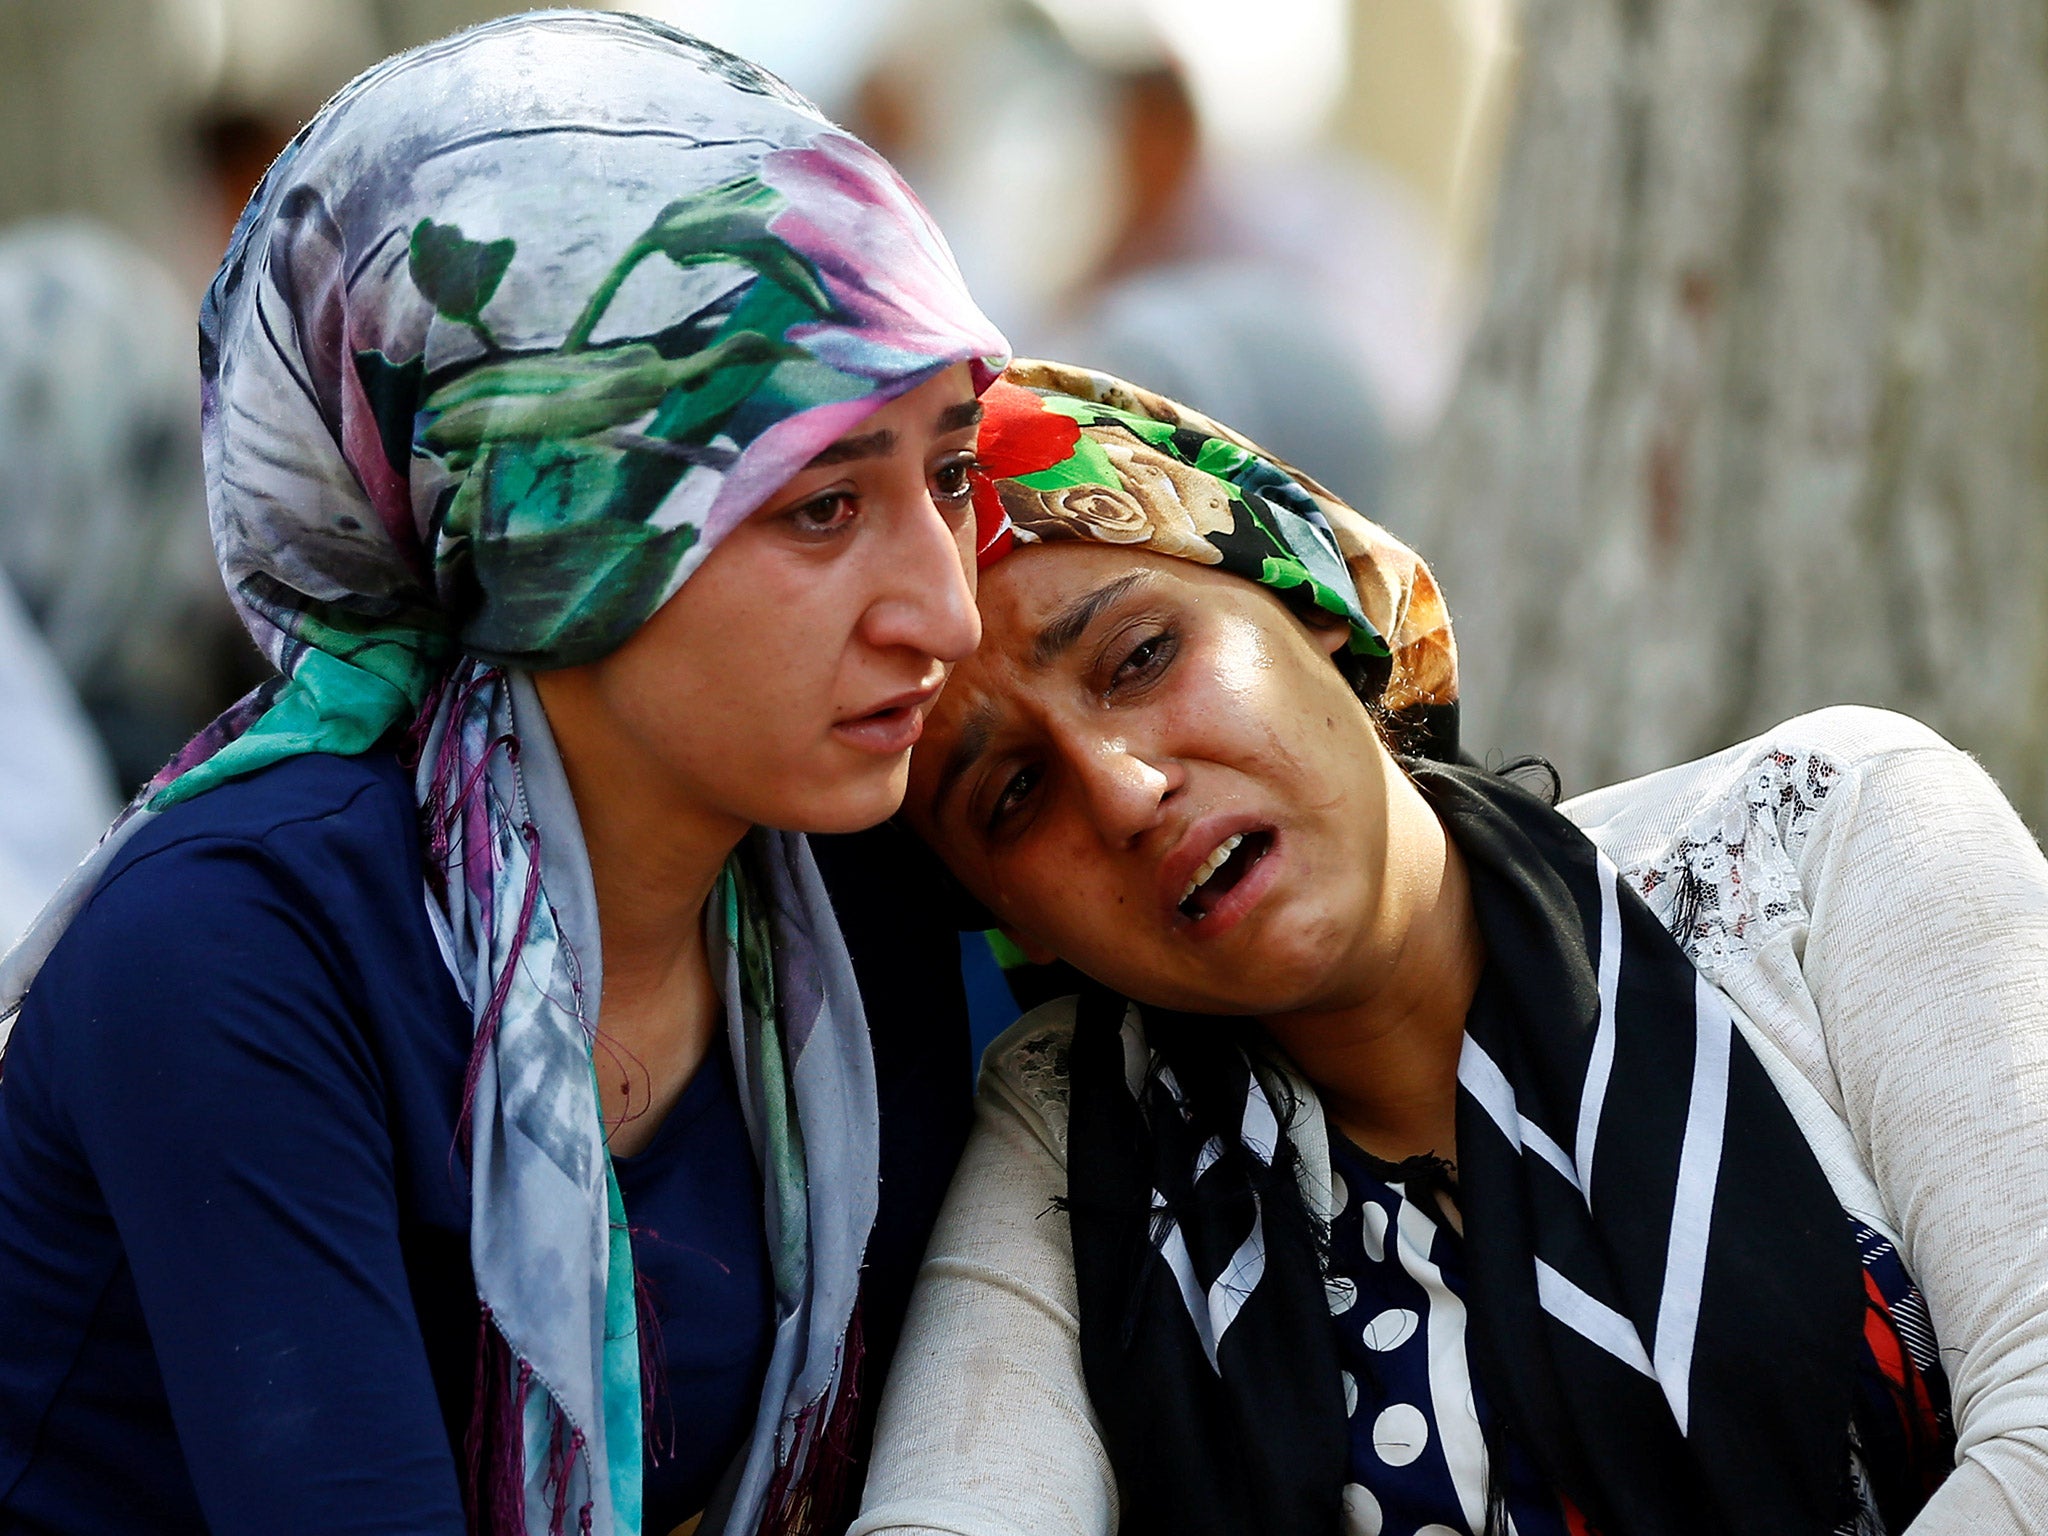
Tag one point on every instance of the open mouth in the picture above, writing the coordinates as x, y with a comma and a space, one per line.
1221, 871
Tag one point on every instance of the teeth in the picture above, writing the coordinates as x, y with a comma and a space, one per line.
1213, 863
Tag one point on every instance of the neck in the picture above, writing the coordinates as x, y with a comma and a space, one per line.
653, 873
1383, 1052
655, 857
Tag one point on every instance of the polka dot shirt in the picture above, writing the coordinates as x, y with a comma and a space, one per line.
1396, 1288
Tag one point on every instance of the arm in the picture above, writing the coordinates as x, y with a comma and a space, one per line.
986, 1428
232, 1115
1927, 960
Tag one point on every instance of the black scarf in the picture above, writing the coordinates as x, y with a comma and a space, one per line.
1665, 1299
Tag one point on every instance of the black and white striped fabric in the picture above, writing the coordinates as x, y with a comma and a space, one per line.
1665, 1297
1205, 1337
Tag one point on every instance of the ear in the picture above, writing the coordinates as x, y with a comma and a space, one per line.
1333, 636
1030, 949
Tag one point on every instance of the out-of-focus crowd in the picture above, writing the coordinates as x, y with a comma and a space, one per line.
1268, 211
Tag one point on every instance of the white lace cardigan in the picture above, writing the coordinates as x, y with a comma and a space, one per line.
1868, 900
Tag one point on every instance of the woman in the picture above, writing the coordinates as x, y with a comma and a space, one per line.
1425, 1159
103, 499
112, 622
436, 1106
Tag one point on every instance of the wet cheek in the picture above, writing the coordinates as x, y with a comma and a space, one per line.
1049, 904
1241, 661
1255, 699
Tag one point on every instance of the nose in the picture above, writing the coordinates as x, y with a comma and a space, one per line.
927, 601
1124, 787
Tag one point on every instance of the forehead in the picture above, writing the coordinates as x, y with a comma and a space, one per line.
1040, 593
1025, 590
1039, 585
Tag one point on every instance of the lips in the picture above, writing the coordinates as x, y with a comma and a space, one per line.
1220, 873
1216, 872
891, 727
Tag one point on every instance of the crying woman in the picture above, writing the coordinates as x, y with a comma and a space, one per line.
1422, 1157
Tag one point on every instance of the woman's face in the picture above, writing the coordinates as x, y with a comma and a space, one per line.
785, 683
1153, 770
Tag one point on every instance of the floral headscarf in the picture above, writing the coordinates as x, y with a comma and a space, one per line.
513, 333
1068, 454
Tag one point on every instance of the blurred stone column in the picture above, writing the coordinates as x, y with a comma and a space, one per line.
1755, 418
1427, 93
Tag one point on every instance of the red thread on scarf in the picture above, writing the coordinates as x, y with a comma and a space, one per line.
501, 985
494, 1446
557, 1480
653, 1370
810, 1489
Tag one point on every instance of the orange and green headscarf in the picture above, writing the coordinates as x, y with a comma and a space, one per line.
1069, 454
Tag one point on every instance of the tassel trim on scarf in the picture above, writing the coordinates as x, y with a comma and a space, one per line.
815, 1480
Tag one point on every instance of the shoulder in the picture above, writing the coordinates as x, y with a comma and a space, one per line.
1788, 773
316, 800
276, 925
1734, 853
1024, 1072
1721, 848
1780, 781
327, 832
311, 865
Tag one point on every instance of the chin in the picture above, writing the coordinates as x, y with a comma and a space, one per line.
1257, 984
852, 803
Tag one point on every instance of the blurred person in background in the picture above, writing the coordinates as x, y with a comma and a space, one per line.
56, 790
442, 1103
1104, 215
277, 61
117, 636
102, 501
1239, 291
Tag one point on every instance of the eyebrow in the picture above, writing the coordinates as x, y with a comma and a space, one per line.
1071, 622
1053, 641
975, 736
878, 445
959, 416
869, 445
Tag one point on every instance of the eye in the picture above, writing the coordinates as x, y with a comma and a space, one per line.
1144, 662
1014, 793
823, 516
953, 481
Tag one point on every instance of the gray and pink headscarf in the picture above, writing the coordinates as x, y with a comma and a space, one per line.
513, 333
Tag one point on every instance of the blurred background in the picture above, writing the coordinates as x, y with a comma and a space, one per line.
1700, 345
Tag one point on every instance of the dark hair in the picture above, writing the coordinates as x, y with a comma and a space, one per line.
1538, 775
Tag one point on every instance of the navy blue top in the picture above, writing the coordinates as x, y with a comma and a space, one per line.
234, 1220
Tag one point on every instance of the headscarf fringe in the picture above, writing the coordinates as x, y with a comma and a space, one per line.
494, 1445
811, 1486
653, 1371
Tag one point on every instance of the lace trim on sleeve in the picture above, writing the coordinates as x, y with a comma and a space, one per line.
1731, 880
1034, 1065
